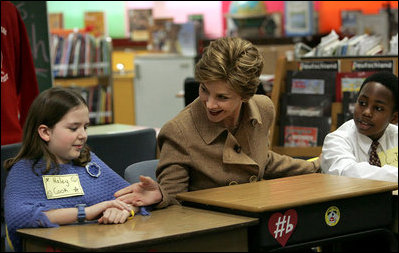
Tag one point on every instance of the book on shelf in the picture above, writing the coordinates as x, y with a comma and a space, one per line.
349, 82
377, 26
187, 39
158, 34
95, 22
298, 136
172, 39
360, 44
198, 20
311, 82
78, 54
305, 105
140, 21
349, 21
348, 104
93, 107
98, 99
56, 20
298, 18
296, 131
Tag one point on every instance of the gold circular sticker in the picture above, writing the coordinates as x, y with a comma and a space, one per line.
332, 216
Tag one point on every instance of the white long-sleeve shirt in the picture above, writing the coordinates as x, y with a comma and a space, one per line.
346, 153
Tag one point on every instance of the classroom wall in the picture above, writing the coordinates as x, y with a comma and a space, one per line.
213, 11
74, 14
329, 11
179, 10
117, 18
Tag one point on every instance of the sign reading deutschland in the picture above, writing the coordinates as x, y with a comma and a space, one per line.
319, 65
372, 65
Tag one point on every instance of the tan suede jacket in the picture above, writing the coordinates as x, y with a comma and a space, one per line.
197, 154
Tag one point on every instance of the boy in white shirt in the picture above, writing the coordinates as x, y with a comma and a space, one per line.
347, 150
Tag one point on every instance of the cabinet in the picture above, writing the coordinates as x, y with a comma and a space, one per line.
123, 97
345, 64
123, 85
158, 80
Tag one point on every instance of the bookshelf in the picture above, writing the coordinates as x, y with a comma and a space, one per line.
345, 64
83, 61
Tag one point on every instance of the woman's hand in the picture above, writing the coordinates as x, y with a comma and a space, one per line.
144, 193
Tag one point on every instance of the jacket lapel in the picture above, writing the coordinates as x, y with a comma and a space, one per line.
209, 132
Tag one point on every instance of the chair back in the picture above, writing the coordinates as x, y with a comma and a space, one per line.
119, 150
7, 151
190, 90
144, 168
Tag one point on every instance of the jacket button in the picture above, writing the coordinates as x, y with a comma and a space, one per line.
253, 179
237, 148
233, 182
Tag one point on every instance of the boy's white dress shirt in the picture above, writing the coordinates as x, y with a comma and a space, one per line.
346, 153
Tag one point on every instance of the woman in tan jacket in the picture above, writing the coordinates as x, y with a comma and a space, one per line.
222, 137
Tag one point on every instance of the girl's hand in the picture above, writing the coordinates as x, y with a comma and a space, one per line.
94, 211
114, 216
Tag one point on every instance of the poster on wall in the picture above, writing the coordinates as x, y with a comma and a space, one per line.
96, 21
140, 21
298, 18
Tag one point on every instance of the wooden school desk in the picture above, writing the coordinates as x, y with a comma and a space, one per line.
175, 228
304, 211
115, 128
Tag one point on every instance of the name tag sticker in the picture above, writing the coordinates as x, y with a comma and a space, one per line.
390, 157
62, 186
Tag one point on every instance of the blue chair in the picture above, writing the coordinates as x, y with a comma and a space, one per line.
119, 150
144, 168
7, 151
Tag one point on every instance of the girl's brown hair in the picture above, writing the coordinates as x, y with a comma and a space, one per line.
48, 109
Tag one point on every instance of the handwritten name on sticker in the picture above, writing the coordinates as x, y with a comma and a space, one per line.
389, 157
62, 186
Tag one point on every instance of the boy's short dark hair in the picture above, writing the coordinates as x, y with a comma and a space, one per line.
389, 80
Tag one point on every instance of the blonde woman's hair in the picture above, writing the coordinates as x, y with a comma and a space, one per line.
233, 60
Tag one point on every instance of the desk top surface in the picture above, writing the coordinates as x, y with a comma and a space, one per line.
115, 128
162, 225
270, 195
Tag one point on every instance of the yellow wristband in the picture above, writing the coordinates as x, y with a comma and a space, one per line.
131, 215
312, 159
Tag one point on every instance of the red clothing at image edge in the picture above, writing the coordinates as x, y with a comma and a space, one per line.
19, 85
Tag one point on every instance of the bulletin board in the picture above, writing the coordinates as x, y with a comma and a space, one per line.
34, 15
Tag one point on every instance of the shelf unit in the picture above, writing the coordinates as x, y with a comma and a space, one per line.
82, 61
345, 65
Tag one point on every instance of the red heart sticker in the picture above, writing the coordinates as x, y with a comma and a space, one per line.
282, 226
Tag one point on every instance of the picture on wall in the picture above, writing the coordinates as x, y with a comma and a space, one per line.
140, 21
298, 18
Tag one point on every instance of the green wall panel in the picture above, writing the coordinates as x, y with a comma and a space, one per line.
74, 14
